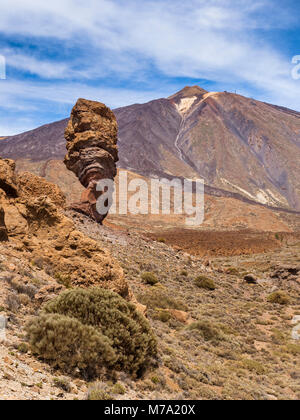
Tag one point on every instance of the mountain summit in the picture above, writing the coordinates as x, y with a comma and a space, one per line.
234, 143
187, 97
237, 145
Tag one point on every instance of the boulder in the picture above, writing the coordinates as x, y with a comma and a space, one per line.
286, 272
180, 316
250, 279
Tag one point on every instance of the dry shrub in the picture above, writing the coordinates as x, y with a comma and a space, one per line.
156, 298
107, 319
150, 278
208, 331
205, 283
254, 366
68, 344
279, 297
99, 392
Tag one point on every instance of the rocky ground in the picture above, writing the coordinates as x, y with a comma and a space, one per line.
226, 343
24, 287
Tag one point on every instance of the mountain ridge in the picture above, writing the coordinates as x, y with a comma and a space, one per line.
237, 145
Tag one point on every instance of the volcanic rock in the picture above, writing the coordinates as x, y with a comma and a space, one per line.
8, 181
35, 222
286, 273
180, 316
34, 186
92, 135
250, 279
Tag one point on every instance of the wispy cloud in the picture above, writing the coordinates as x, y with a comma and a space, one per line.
67, 93
120, 50
41, 102
43, 68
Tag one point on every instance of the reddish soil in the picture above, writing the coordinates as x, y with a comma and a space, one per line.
217, 243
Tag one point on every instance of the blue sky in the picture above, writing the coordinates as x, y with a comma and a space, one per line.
126, 51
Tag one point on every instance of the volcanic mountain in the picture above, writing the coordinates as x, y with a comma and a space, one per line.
241, 147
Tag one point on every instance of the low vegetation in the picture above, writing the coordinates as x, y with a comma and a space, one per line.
91, 329
62, 383
163, 316
68, 344
279, 297
207, 330
150, 278
184, 273
253, 366
204, 282
118, 389
228, 343
157, 298
98, 392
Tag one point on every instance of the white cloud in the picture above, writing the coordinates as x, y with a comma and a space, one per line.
22, 93
43, 68
45, 100
215, 40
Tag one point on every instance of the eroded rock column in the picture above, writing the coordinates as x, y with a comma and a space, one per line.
92, 135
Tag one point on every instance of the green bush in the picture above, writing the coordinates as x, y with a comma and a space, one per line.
205, 283
156, 380
207, 330
279, 297
127, 331
156, 298
68, 344
150, 278
63, 279
254, 366
118, 389
293, 349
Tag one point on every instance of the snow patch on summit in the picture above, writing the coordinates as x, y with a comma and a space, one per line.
185, 104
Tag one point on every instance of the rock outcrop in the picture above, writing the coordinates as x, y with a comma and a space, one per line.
8, 182
34, 221
91, 135
31, 186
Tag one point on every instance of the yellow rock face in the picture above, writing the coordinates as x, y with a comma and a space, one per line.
36, 220
8, 182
